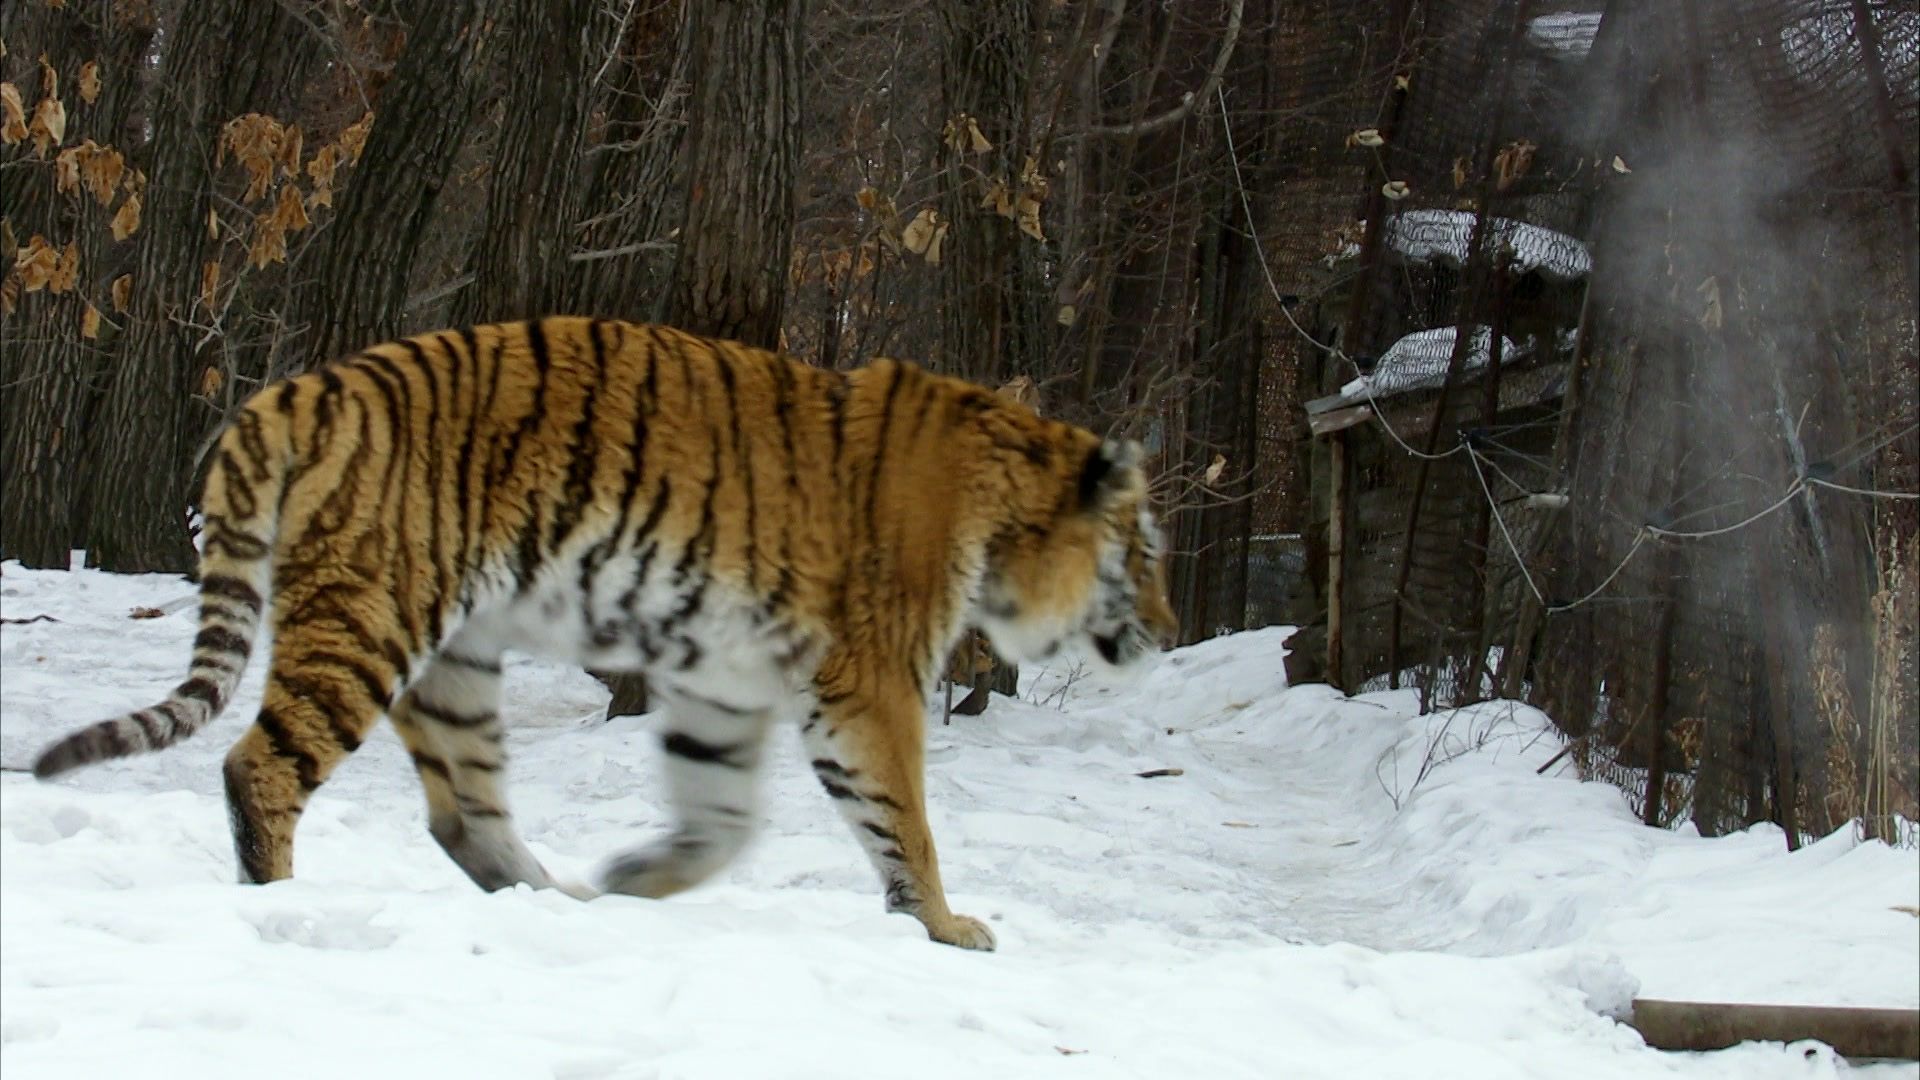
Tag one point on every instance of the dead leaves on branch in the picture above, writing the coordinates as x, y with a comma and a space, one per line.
925, 234
99, 168
271, 153
13, 114
962, 134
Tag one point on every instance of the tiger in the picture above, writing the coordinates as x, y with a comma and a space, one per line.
764, 540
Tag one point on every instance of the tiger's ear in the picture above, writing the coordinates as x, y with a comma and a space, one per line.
1108, 469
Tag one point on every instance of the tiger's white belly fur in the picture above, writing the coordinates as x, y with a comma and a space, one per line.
689, 633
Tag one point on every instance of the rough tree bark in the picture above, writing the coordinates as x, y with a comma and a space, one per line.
742, 154
222, 58
633, 179
46, 376
994, 321
364, 264
520, 260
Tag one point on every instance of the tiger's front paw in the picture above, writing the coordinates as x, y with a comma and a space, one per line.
964, 931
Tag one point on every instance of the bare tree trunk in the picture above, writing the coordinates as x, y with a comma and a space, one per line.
46, 375
520, 261
635, 176
742, 154
222, 58
993, 323
993, 304
743, 151
365, 262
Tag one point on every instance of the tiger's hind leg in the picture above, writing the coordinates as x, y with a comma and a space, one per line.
713, 756
450, 721
326, 689
868, 751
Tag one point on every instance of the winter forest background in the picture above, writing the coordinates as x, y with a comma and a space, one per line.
1560, 350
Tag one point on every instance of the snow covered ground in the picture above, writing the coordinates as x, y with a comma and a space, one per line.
1300, 902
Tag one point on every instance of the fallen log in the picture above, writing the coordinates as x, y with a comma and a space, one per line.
1852, 1032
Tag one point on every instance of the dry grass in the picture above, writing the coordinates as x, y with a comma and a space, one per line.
1870, 760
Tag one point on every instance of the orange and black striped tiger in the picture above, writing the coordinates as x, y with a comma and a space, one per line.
761, 537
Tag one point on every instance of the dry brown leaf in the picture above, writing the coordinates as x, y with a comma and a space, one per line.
66, 170
122, 291
146, 613
1214, 468
354, 138
213, 224
975, 140
1065, 315
3, 48
290, 214
9, 293
13, 114
49, 126
321, 170
126, 221
1026, 210
66, 273
919, 232
999, 199
8, 245
934, 244
1459, 173
1512, 163
90, 323
1620, 166
36, 263
954, 132
49, 78
255, 141
89, 81
209, 281
290, 150
211, 381
101, 167
269, 241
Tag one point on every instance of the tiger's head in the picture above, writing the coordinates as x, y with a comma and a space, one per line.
1092, 579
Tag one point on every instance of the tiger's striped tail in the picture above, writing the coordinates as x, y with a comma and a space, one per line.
239, 512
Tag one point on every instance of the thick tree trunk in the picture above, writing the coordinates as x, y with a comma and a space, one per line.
520, 260
993, 324
46, 375
743, 150
222, 58
742, 153
634, 176
365, 262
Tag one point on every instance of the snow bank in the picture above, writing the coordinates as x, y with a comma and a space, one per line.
1332, 887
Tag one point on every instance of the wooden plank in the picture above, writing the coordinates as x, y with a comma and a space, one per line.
1336, 557
1327, 423
1852, 1032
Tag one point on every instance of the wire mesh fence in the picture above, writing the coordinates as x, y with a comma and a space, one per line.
1678, 512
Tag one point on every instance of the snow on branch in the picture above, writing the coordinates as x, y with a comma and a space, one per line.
1419, 361
1443, 236
1567, 34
